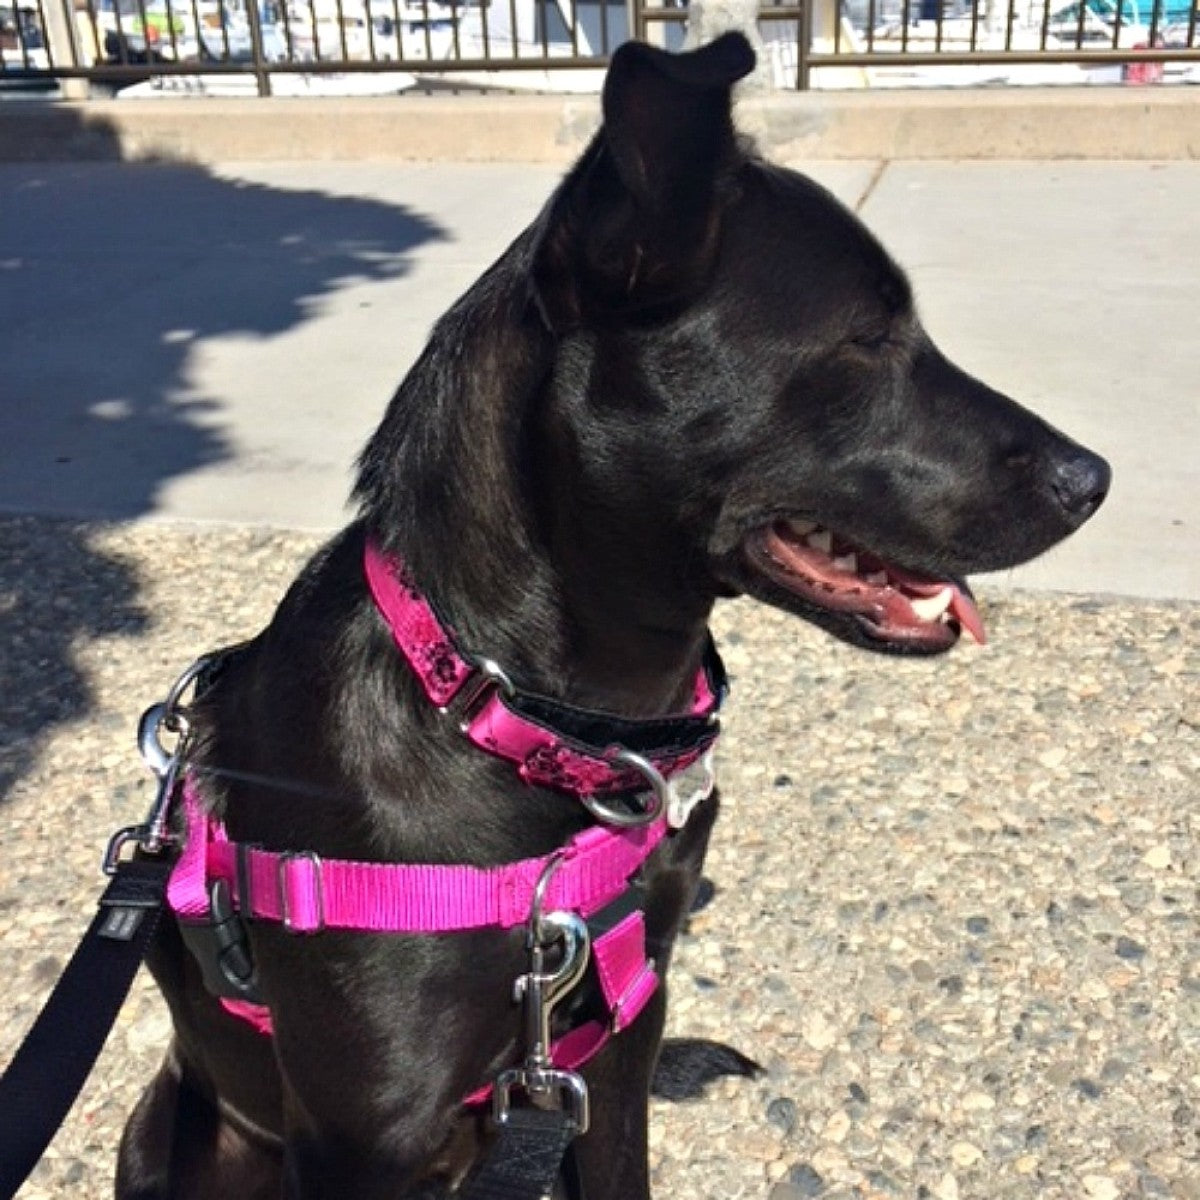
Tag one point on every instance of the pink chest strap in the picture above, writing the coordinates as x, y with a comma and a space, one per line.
307, 894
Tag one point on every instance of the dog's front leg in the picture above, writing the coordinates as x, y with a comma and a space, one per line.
322, 1167
180, 1145
613, 1154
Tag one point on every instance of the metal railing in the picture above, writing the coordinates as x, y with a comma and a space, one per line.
815, 43
897, 41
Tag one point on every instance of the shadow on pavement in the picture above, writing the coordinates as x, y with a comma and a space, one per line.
112, 275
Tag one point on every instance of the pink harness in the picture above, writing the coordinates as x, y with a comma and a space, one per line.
307, 894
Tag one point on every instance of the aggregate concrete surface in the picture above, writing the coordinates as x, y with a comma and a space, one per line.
956, 901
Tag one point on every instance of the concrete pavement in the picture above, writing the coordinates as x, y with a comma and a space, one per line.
214, 343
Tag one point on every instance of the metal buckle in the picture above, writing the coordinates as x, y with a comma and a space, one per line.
489, 677
281, 878
152, 834
568, 1087
541, 990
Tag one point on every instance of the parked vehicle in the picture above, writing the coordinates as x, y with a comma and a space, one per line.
379, 30
225, 36
1116, 23
411, 30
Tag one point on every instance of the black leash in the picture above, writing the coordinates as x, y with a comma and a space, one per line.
526, 1160
57, 1055
49, 1069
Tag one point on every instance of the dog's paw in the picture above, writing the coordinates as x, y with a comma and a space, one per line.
686, 1066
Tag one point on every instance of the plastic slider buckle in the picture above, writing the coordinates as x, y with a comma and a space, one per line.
629, 1004
285, 877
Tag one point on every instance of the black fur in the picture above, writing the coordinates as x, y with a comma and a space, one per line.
686, 345
686, 1066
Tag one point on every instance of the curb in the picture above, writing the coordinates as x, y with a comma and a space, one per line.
1043, 123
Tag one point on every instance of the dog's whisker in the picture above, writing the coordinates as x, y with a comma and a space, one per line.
274, 782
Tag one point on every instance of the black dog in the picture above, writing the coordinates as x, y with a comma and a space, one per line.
696, 375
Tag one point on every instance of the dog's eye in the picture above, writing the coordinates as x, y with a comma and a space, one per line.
872, 337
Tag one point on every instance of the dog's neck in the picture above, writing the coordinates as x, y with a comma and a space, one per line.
633, 636
463, 483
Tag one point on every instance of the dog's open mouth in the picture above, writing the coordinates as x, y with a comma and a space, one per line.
890, 603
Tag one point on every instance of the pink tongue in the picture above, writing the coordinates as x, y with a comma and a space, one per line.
962, 607
963, 610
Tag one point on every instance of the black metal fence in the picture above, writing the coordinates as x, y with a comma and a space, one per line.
184, 43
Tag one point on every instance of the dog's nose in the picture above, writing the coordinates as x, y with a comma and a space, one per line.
1080, 480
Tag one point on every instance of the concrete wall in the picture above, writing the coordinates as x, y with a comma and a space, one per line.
1052, 123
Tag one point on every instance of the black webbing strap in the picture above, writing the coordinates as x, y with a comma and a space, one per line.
527, 1157
45, 1076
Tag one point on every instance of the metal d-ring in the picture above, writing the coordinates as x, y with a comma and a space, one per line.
174, 716
659, 794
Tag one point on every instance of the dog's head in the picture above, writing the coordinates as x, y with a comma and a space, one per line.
736, 349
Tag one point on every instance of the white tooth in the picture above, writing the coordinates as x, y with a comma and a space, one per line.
822, 540
802, 528
930, 608
848, 562
878, 577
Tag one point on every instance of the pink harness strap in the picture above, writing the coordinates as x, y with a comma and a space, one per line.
307, 893
627, 981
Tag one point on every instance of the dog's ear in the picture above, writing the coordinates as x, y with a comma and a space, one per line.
634, 226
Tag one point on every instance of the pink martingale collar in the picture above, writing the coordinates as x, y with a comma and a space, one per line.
529, 730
